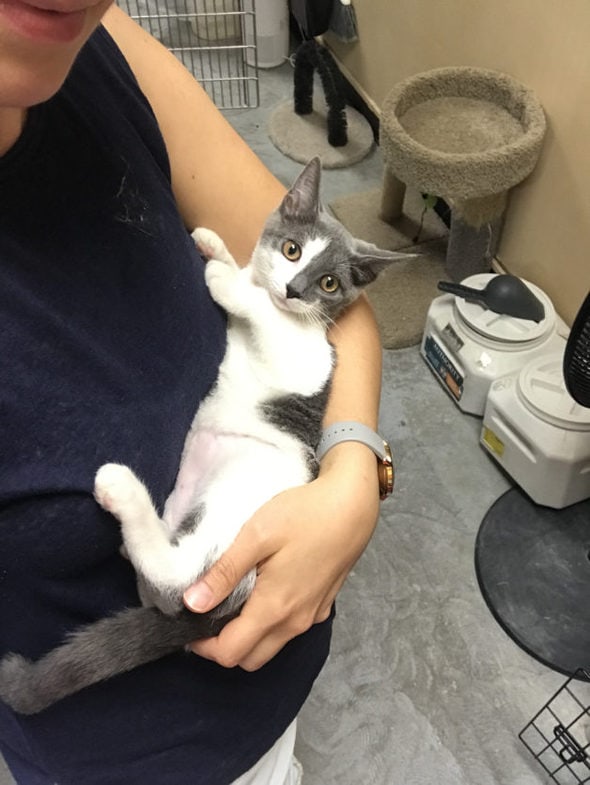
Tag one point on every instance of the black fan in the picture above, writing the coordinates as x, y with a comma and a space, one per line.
576, 360
533, 562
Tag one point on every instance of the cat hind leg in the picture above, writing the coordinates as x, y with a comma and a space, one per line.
145, 536
155, 552
119, 491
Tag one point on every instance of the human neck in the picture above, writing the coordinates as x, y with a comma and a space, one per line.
11, 124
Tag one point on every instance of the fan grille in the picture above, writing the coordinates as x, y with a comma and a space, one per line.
576, 361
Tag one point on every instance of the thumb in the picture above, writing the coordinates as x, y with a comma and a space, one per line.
222, 578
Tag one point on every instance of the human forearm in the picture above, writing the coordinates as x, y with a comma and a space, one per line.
356, 386
357, 378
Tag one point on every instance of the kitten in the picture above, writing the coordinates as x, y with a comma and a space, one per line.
254, 436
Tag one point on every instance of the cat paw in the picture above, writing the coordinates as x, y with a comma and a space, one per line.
115, 486
216, 270
208, 242
212, 246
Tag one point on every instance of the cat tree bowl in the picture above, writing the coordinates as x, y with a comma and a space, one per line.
465, 134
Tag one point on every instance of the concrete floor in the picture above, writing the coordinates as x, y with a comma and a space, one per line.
422, 685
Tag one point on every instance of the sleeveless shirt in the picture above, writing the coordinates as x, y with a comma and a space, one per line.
108, 341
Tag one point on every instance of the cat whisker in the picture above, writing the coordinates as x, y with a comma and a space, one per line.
322, 317
316, 317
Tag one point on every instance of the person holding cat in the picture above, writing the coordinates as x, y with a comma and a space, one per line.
109, 152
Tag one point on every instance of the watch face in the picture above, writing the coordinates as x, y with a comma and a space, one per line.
386, 473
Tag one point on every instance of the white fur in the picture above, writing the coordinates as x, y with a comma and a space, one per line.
233, 461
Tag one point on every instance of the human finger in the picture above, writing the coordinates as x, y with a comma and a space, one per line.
220, 580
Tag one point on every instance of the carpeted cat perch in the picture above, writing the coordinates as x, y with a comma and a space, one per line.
467, 135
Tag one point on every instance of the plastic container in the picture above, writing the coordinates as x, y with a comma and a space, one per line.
468, 346
538, 434
272, 33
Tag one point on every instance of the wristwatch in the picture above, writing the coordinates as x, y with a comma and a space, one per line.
351, 431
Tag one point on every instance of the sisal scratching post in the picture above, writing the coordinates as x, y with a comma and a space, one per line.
467, 135
323, 126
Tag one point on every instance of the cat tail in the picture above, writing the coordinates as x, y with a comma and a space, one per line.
106, 648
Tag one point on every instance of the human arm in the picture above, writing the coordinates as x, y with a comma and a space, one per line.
306, 540
217, 180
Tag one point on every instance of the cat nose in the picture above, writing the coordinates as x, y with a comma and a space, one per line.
292, 292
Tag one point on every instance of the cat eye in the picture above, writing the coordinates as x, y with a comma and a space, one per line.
291, 250
329, 283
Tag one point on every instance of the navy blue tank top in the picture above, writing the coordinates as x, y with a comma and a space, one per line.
108, 341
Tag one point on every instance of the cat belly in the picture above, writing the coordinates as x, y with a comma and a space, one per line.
198, 461
242, 475
248, 470
251, 473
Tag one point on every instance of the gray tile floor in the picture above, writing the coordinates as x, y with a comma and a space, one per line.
422, 686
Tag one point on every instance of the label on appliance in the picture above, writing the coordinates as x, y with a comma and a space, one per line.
451, 338
490, 439
443, 367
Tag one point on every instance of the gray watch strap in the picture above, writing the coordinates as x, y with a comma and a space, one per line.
350, 431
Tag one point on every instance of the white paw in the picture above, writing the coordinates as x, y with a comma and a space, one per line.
115, 486
208, 242
215, 270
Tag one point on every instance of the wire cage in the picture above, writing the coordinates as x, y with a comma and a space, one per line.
559, 734
215, 39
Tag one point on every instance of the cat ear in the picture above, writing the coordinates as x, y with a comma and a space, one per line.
369, 261
302, 201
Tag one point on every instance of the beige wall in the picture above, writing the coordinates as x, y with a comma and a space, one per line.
546, 45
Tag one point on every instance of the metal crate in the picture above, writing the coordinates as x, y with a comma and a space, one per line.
559, 734
215, 39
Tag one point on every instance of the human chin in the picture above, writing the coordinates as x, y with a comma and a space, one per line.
38, 45
48, 23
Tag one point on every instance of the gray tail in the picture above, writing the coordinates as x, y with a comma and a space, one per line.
98, 651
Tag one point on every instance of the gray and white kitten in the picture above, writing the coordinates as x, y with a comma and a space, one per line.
254, 436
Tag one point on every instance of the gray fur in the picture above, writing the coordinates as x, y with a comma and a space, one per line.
168, 601
139, 635
133, 637
354, 262
189, 524
302, 417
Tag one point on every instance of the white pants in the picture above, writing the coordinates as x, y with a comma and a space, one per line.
277, 766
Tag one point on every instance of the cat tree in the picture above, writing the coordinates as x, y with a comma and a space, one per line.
467, 135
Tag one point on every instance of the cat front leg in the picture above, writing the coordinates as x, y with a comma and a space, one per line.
223, 276
212, 246
230, 285
231, 289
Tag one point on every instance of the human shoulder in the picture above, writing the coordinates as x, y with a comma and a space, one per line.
217, 180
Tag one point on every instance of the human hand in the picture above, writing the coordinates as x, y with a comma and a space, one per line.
303, 542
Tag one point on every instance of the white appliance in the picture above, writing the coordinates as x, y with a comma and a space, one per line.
467, 346
539, 434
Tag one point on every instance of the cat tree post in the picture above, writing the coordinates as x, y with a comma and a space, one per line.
392, 197
467, 135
